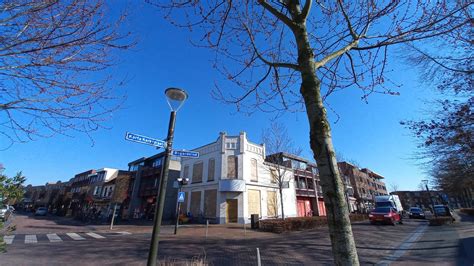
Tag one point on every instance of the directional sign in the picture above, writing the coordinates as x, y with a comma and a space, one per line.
145, 140
180, 196
189, 154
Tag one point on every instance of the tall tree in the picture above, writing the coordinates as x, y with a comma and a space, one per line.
11, 188
277, 141
52, 58
446, 137
291, 54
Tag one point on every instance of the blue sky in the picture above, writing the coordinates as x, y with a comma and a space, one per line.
367, 133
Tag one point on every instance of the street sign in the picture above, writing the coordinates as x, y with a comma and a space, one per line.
145, 140
180, 196
189, 154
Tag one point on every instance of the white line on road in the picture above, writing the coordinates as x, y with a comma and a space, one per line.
403, 248
124, 233
8, 239
54, 238
94, 235
30, 239
75, 236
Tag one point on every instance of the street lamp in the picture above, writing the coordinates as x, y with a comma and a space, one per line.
425, 181
181, 181
175, 98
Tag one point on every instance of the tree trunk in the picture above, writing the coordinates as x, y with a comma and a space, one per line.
281, 202
340, 230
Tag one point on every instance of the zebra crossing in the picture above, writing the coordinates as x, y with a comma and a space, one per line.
29, 239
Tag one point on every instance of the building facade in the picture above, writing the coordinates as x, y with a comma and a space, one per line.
146, 174
230, 181
365, 185
304, 174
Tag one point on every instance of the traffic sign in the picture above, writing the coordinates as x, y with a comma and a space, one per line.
180, 196
189, 154
145, 140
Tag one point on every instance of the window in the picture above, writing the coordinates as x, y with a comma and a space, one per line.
110, 192
157, 162
253, 170
186, 171
197, 172
210, 199
211, 169
302, 183
274, 175
232, 165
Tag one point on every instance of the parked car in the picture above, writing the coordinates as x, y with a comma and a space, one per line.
41, 211
5, 212
442, 210
386, 215
416, 212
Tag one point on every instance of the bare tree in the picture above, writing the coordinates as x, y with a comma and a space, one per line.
52, 57
277, 142
394, 186
291, 54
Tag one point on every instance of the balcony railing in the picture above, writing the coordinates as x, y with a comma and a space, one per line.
148, 191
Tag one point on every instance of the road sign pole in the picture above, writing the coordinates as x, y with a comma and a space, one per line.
177, 210
155, 238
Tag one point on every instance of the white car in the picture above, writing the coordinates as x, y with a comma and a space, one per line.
5, 212
41, 211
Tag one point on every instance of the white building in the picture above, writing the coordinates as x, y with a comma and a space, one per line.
230, 181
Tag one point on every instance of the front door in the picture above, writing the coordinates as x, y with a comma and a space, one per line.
232, 210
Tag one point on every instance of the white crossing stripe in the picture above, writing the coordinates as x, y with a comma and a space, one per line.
8, 239
54, 238
94, 235
75, 236
30, 239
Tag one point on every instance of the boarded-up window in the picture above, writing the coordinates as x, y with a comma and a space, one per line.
232, 165
253, 170
272, 207
195, 203
184, 205
211, 169
210, 199
186, 171
254, 202
274, 175
197, 173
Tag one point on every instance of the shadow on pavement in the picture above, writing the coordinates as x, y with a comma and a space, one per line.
465, 251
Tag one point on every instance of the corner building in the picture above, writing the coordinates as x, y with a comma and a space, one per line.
230, 181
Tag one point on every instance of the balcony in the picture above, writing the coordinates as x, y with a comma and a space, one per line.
231, 185
148, 191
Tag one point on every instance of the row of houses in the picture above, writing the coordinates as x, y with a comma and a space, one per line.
232, 179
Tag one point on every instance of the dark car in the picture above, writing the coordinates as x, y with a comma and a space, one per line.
416, 212
385, 215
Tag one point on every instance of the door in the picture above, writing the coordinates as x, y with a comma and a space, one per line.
301, 209
231, 210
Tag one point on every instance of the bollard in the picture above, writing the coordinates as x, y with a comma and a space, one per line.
245, 230
207, 227
259, 262
113, 217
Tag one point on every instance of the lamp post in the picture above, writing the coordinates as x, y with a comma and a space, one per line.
175, 98
181, 181
429, 195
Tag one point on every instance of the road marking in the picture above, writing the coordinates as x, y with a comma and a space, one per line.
30, 239
403, 248
123, 233
8, 239
94, 235
75, 236
54, 238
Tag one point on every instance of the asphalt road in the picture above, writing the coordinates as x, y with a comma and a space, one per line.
413, 243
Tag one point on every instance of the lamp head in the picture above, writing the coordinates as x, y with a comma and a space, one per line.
175, 98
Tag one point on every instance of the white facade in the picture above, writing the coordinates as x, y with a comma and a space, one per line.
230, 181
